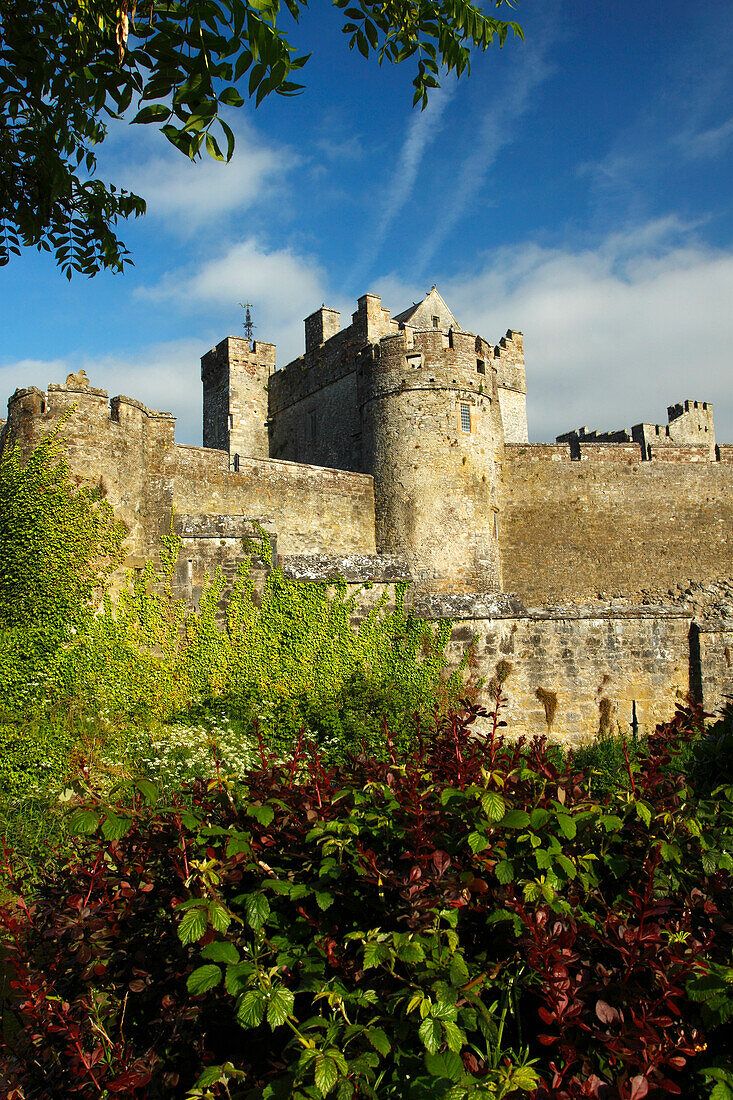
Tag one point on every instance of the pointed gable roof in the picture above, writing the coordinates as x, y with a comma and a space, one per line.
420, 315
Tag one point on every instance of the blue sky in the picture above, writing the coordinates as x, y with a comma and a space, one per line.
576, 186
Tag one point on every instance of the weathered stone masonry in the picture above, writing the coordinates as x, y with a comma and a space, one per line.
396, 448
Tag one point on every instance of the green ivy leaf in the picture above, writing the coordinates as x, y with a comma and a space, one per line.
203, 978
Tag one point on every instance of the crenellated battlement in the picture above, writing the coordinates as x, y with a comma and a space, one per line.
688, 423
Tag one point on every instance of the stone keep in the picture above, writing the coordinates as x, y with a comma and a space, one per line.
594, 571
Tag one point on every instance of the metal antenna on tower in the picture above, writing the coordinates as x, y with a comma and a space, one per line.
248, 326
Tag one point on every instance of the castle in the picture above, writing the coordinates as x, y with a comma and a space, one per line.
592, 572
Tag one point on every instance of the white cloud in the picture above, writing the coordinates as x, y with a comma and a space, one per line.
188, 194
165, 376
283, 286
707, 143
613, 335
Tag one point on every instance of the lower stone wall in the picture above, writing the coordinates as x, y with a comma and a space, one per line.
574, 673
713, 638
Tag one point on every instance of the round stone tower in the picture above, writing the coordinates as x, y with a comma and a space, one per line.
430, 426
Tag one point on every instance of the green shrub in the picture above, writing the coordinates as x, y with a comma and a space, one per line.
462, 919
58, 541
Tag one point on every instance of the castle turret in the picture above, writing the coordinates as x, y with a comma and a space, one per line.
235, 375
428, 442
511, 383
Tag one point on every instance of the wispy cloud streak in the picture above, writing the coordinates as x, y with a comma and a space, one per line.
423, 129
497, 130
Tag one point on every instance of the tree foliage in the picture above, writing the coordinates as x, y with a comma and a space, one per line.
66, 66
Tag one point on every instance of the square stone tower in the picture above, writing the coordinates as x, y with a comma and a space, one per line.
236, 376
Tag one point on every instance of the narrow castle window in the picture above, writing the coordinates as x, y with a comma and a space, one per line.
465, 418
311, 427
436, 322
496, 525
480, 366
235, 463
231, 421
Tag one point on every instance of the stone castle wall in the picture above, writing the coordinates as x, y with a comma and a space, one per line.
149, 479
574, 672
397, 448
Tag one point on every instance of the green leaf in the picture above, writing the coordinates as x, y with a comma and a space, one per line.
375, 954
83, 822
324, 899
567, 864
644, 812
493, 805
444, 1065
378, 1040
148, 790
567, 825
221, 951
453, 1035
251, 1008
262, 814
212, 148
219, 916
411, 952
431, 1034
280, 1006
515, 819
237, 977
193, 926
458, 971
203, 978
326, 1074
114, 827
257, 910
477, 842
155, 112
212, 1075
504, 871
